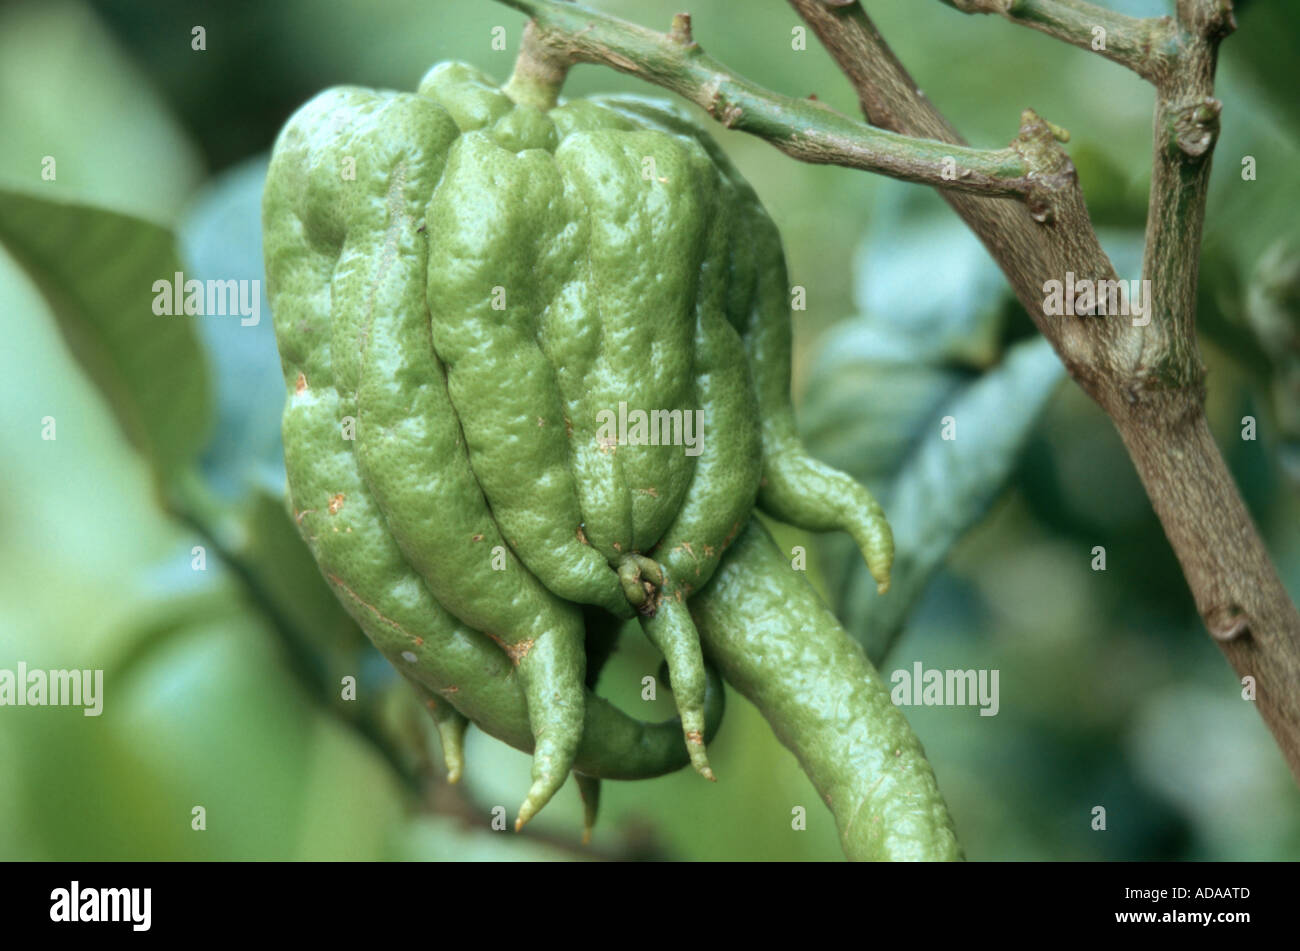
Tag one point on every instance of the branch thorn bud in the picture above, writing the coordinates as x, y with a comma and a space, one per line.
681, 30
1060, 133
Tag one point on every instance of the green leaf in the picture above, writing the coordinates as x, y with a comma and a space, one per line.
97, 268
868, 419
925, 283
221, 239
945, 486
81, 121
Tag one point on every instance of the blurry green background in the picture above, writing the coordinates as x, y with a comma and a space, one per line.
1111, 693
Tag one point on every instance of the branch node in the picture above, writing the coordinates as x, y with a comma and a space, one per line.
1060, 133
1196, 126
681, 30
1227, 623
1212, 19
1050, 169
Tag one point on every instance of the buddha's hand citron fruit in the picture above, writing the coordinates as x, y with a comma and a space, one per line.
538, 366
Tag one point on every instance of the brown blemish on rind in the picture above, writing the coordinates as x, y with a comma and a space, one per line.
300, 384
516, 652
336, 503
735, 530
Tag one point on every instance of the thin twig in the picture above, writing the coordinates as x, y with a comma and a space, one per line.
1144, 45
803, 129
1186, 129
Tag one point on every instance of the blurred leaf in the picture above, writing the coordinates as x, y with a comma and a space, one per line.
97, 269
1106, 187
206, 717
927, 286
947, 485
1124, 247
1247, 215
82, 499
68, 93
1272, 310
1179, 743
868, 419
221, 239
347, 821
1264, 44
1220, 310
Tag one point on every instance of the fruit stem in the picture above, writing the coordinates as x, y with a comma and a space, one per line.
539, 72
